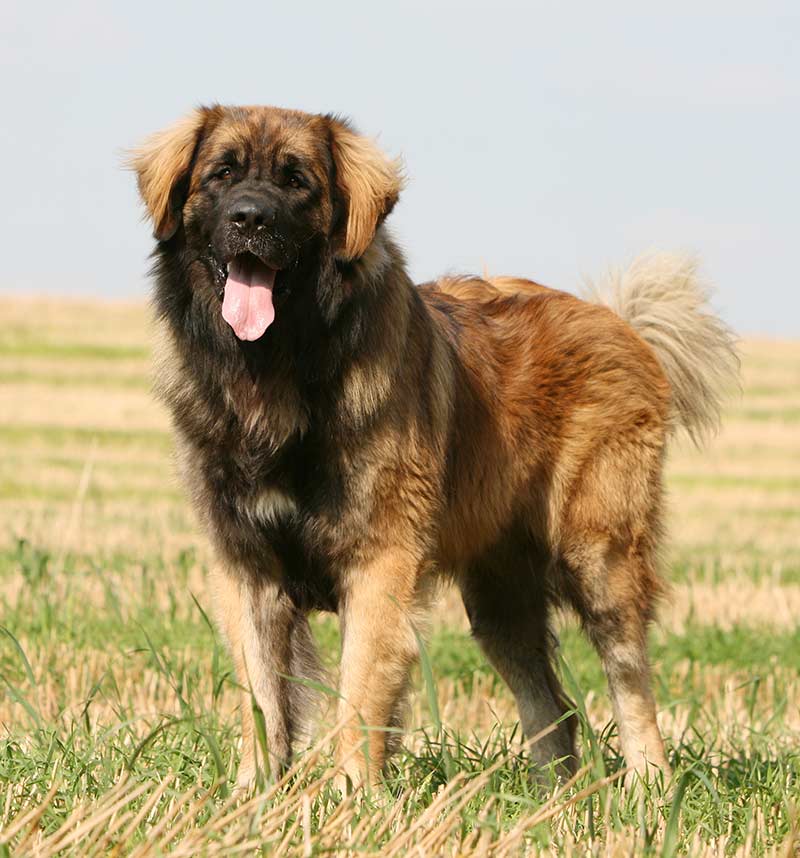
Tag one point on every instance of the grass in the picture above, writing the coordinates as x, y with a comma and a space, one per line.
118, 722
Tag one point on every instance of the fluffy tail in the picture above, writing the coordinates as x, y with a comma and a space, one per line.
665, 300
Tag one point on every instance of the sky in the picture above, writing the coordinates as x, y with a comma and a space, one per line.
542, 140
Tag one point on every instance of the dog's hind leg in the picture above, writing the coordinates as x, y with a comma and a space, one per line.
614, 605
608, 550
612, 583
506, 599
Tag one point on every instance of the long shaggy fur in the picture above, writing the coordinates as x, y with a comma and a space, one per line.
381, 436
665, 299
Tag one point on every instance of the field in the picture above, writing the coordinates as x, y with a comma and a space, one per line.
118, 727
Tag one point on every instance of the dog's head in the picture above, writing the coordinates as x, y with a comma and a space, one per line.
261, 195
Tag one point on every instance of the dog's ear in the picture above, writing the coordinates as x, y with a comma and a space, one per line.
369, 184
162, 165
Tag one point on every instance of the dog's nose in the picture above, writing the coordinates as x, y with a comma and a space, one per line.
249, 214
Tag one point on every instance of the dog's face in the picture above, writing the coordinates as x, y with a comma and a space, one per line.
260, 195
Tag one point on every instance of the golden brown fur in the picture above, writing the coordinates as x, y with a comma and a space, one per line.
381, 436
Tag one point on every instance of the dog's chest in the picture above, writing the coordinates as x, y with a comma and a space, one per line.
269, 507
302, 503
275, 520
290, 507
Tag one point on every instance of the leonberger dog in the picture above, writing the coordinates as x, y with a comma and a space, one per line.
349, 439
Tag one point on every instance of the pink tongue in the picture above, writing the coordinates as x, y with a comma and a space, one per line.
247, 306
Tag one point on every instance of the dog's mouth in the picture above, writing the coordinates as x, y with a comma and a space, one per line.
247, 296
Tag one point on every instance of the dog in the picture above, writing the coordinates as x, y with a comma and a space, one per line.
349, 439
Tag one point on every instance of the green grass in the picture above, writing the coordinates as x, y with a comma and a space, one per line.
722, 481
770, 415
35, 348
9, 489
189, 729
74, 380
57, 436
699, 563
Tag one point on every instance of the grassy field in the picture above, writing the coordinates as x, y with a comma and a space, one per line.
118, 728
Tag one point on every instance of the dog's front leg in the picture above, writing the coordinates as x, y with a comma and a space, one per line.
380, 602
264, 631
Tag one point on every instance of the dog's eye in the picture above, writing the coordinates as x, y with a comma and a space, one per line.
295, 181
223, 173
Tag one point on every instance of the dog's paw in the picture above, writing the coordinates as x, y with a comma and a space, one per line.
648, 777
246, 779
350, 778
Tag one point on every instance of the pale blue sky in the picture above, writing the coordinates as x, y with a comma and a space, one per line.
540, 139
